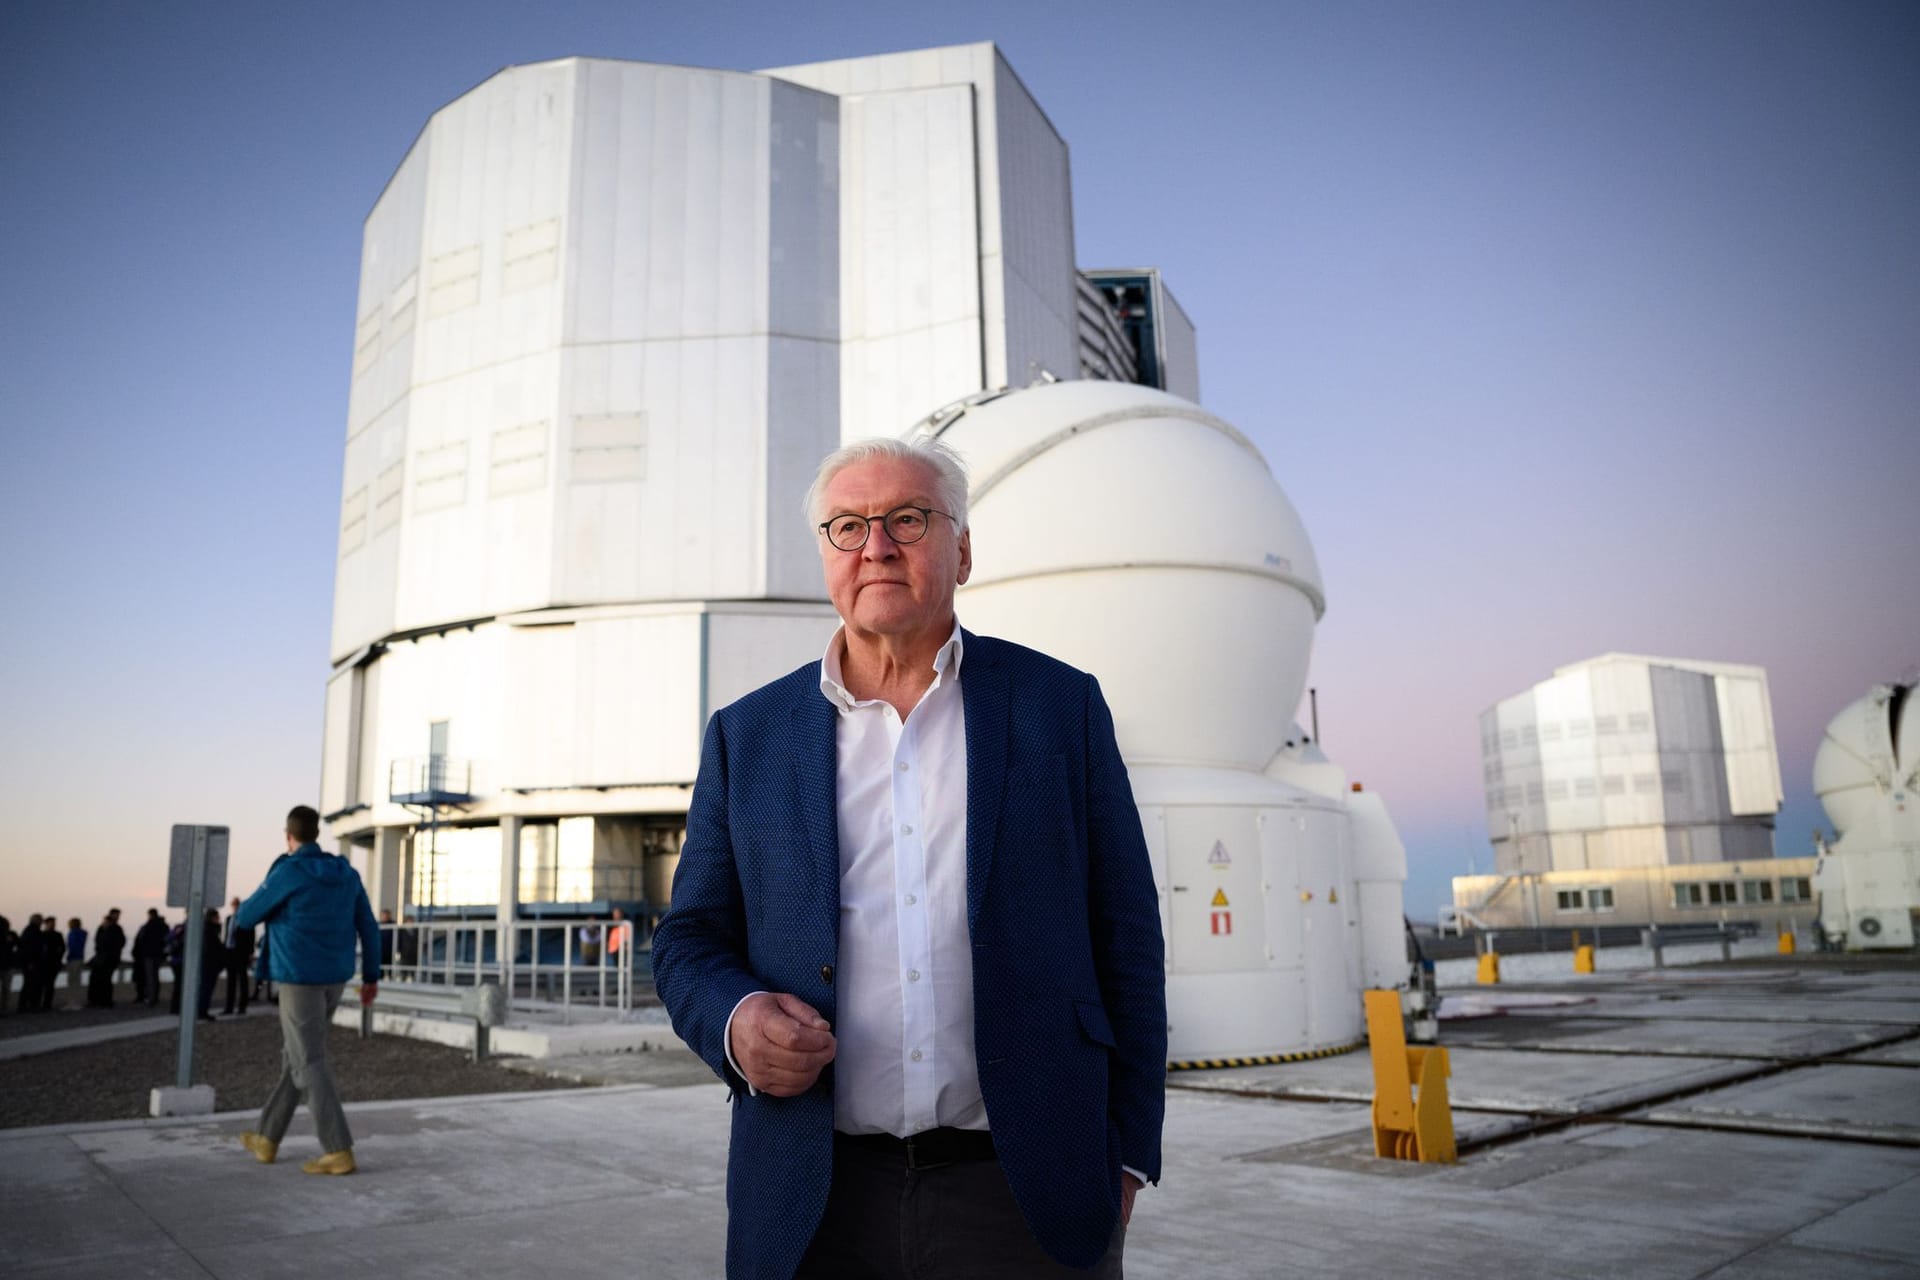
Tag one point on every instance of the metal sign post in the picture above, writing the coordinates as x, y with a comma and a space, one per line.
197, 871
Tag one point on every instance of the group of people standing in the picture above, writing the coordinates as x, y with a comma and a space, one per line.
40, 952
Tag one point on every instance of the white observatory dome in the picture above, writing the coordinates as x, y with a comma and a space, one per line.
1146, 540
1871, 751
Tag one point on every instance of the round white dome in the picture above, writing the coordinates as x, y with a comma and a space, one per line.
1133, 534
1870, 750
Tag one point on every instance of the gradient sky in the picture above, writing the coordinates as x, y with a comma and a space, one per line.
1567, 327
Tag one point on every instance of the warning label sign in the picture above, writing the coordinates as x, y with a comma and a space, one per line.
1218, 858
1222, 919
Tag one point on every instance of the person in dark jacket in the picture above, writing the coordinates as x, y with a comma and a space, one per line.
238, 941
26, 958
177, 961
109, 941
53, 952
149, 949
6, 962
213, 961
316, 910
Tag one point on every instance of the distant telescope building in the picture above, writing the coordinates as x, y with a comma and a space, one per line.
1633, 788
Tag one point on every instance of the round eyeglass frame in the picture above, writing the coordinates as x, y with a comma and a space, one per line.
886, 518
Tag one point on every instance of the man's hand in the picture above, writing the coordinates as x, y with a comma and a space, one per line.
781, 1043
1128, 1185
368, 990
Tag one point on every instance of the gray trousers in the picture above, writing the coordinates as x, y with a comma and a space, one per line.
305, 1075
952, 1222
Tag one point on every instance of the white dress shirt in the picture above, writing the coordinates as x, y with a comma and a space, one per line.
904, 1057
904, 980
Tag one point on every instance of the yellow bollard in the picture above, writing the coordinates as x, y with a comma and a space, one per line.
1583, 959
1489, 968
1786, 942
1411, 1119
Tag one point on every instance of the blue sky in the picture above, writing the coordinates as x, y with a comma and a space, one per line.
1568, 328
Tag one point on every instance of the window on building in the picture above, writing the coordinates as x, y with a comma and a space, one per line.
1639, 721
1600, 899
1535, 793
1569, 900
1613, 785
1579, 728
1796, 889
1688, 895
1606, 724
1674, 781
1722, 893
1645, 784
1753, 891
1509, 738
1585, 788
1557, 789
1550, 731
1529, 735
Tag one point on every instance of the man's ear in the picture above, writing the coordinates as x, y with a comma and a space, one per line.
966, 557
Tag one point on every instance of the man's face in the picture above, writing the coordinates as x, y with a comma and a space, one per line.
884, 588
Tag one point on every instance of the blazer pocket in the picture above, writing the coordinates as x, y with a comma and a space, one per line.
1094, 1024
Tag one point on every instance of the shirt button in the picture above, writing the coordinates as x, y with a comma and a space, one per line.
913, 975
905, 829
915, 1055
903, 766
911, 899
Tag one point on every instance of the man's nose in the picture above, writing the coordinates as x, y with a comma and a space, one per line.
880, 543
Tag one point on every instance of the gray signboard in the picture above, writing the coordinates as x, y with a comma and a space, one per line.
213, 887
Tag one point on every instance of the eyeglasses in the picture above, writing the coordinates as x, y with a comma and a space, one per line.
905, 525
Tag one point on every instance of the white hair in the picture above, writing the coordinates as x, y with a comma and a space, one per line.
949, 472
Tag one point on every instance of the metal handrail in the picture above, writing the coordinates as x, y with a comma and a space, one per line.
532, 960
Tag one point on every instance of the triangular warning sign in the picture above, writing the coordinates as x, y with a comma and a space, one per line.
1219, 858
1333, 895
1219, 897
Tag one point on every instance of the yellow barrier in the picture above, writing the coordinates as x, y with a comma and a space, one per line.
1786, 944
1489, 968
1411, 1118
1583, 959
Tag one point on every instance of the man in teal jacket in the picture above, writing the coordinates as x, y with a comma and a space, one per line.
317, 908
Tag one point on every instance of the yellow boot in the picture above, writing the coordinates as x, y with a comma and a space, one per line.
334, 1162
264, 1148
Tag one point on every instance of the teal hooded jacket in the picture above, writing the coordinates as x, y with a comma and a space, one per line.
316, 907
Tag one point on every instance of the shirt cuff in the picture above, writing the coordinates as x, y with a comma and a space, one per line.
1145, 1181
726, 1042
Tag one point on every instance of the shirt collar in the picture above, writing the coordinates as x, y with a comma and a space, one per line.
945, 662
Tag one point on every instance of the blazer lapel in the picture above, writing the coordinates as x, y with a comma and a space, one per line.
983, 695
817, 788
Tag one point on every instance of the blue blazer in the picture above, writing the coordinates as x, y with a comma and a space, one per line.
1070, 1021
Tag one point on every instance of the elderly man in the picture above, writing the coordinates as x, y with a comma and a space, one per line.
317, 909
915, 930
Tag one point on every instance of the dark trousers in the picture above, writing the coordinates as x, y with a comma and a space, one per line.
885, 1221
179, 979
239, 982
146, 979
100, 983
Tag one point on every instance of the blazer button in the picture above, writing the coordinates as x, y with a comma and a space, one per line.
826, 974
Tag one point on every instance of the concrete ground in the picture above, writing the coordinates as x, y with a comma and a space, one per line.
1781, 1140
